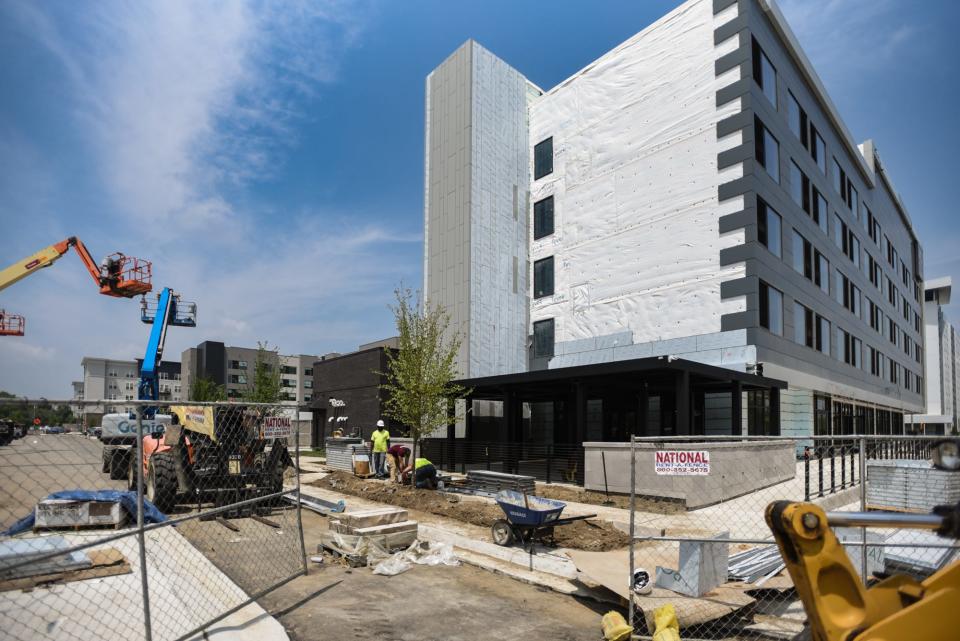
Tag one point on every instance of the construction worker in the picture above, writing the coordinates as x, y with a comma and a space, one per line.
397, 460
381, 440
424, 474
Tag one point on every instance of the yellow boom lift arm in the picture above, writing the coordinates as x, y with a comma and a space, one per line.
119, 275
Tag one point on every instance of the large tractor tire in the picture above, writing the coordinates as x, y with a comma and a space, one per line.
161, 482
118, 462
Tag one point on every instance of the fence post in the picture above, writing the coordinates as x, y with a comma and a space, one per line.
863, 507
820, 470
550, 451
853, 460
806, 474
137, 451
833, 475
843, 469
633, 505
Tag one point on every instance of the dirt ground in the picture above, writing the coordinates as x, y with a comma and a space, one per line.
577, 495
596, 536
423, 604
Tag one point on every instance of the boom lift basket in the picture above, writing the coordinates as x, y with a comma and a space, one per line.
184, 313
132, 277
11, 324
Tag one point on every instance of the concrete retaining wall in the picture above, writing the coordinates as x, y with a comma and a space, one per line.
735, 469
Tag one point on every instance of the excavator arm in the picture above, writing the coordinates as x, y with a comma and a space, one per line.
839, 606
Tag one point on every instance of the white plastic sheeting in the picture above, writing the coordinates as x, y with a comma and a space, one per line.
637, 242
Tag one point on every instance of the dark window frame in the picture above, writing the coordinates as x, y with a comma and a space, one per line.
539, 273
539, 341
541, 166
540, 218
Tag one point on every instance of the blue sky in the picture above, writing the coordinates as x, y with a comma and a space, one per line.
268, 157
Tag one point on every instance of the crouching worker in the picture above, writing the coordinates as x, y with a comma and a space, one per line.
425, 474
397, 460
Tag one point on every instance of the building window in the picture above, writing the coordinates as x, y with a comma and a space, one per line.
876, 362
803, 325
759, 421
873, 227
238, 364
308, 384
767, 149
543, 158
543, 338
811, 263
820, 211
823, 335
764, 73
287, 369
797, 118
851, 348
799, 187
768, 227
818, 149
892, 331
876, 317
771, 308
308, 371
543, 278
543, 217
288, 382
894, 372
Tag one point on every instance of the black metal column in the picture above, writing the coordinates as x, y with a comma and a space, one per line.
643, 410
774, 411
736, 408
682, 400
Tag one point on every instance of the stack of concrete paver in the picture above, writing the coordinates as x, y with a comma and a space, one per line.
495, 481
910, 486
390, 527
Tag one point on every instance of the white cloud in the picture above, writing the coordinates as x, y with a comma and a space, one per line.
181, 98
847, 38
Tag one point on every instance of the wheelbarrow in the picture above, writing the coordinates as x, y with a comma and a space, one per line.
529, 519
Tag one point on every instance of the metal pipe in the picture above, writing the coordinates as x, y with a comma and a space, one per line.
633, 538
863, 503
885, 519
141, 535
681, 539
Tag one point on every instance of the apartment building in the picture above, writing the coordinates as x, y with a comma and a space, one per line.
692, 193
115, 381
233, 367
941, 363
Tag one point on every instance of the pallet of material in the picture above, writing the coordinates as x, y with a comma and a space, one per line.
73, 514
496, 481
352, 533
910, 486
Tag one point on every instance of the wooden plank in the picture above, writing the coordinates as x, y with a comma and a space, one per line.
388, 528
105, 562
227, 524
372, 518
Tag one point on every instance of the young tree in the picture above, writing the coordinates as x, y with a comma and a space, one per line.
205, 389
420, 374
265, 386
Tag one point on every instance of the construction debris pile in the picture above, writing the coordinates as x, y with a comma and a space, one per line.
369, 533
493, 482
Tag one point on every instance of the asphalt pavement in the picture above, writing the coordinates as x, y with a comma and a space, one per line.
37, 464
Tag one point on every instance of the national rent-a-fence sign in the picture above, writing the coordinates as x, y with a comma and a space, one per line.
682, 462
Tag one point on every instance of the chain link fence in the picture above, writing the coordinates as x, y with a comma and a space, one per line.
717, 562
153, 525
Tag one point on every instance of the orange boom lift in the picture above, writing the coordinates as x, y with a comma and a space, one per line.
117, 275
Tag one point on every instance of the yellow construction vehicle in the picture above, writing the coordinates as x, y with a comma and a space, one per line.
117, 275
839, 606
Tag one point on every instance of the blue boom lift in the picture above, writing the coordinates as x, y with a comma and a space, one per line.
119, 431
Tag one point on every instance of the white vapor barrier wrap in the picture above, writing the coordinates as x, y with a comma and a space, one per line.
637, 242
498, 225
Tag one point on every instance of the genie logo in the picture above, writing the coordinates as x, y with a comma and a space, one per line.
127, 427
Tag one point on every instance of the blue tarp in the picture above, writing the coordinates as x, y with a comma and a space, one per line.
127, 500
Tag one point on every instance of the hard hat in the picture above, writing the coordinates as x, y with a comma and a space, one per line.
380, 423
641, 581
